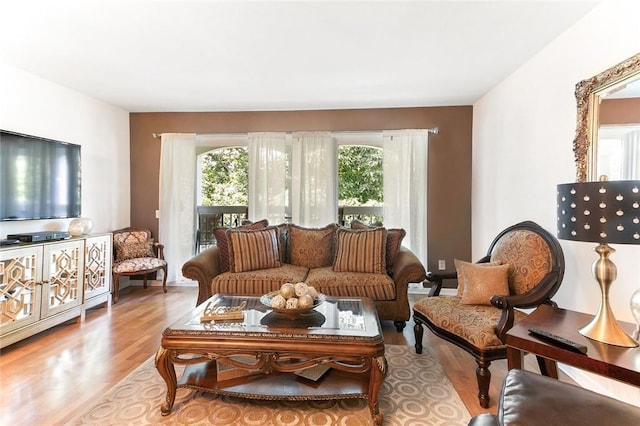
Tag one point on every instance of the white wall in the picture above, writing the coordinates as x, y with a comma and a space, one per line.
34, 106
523, 131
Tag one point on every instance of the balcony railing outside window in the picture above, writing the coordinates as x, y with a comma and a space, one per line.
371, 215
211, 217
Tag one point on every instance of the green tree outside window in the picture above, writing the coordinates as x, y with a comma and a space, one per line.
360, 181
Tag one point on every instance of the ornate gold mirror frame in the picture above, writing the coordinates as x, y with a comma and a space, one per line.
587, 91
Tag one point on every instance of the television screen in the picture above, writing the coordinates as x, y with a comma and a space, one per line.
39, 178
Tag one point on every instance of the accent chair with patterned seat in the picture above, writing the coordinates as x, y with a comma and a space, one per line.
523, 268
136, 253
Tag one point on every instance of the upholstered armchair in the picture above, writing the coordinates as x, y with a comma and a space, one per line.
136, 253
523, 268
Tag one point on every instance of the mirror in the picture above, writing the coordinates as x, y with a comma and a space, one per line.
608, 129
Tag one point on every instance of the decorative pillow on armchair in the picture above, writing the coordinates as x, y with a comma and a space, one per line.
462, 276
250, 250
311, 247
221, 241
361, 250
134, 250
484, 281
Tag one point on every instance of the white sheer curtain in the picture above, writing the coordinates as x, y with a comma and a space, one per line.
177, 200
405, 155
631, 155
314, 179
267, 177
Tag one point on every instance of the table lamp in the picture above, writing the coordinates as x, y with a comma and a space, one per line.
601, 212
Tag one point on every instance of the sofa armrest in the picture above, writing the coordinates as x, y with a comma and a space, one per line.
203, 268
407, 269
527, 398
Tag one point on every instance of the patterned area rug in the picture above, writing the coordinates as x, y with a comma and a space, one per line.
415, 392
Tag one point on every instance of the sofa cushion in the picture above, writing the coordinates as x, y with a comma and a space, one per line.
283, 242
361, 250
474, 323
258, 282
221, 241
352, 284
252, 249
311, 247
394, 242
482, 282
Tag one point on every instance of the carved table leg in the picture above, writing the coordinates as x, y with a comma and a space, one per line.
378, 372
168, 372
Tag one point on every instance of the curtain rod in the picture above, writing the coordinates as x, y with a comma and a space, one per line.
433, 131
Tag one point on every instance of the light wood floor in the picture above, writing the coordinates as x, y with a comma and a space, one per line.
47, 379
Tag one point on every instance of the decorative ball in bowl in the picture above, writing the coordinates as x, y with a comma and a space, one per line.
293, 299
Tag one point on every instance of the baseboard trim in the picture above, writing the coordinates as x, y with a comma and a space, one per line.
157, 283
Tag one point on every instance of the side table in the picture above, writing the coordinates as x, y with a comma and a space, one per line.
611, 361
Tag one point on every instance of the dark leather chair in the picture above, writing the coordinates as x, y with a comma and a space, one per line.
534, 274
136, 253
529, 399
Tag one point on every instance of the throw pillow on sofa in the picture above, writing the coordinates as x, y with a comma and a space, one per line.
253, 249
221, 241
311, 247
361, 250
394, 241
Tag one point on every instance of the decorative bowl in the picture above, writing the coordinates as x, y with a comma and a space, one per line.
294, 312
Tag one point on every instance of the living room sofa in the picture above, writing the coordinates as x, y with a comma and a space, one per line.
361, 261
529, 399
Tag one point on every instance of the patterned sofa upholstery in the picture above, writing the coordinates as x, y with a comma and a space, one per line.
522, 269
367, 262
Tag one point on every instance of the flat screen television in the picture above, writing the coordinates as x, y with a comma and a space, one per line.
39, 178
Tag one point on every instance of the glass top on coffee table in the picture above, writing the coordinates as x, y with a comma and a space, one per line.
336, 316
342, 336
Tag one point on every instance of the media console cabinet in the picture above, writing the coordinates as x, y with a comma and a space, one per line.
46, 284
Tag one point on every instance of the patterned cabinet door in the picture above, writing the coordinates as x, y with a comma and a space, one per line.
97, 266
20, 278
63, 276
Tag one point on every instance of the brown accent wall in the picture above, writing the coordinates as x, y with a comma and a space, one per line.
619, 111
449, 168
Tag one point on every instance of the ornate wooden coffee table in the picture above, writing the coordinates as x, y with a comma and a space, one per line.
262, 353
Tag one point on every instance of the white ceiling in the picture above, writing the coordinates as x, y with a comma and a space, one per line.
205, 55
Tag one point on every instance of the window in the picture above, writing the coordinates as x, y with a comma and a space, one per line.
619, 151
360, 176
224, 177
223, 174
360, 183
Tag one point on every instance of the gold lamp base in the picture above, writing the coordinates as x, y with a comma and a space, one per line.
604, 327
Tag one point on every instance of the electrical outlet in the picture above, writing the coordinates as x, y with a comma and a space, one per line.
442, 265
